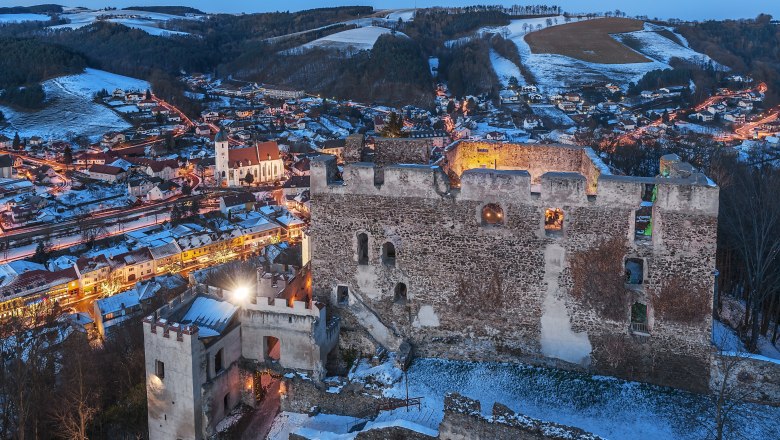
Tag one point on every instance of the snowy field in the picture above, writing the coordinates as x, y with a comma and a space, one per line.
553, 113
658, 47
505, 69
403, 14
353, 39
19, 18
611, 408
148, 22
71, 110
556, 73
520, 27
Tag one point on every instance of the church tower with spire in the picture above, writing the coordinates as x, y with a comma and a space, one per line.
221, 157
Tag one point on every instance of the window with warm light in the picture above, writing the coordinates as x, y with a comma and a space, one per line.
492, 214
553, 221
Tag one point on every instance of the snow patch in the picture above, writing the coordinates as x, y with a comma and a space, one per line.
358, 39
19, 18
505, 69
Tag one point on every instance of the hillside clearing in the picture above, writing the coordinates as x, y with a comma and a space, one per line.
352, 40
588, 41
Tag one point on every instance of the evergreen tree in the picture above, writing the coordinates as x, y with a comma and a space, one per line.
249, 178
393, 127
176, 215
148, 94
195, 207
67, 156
17, 141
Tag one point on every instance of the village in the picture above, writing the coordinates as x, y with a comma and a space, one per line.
302, 265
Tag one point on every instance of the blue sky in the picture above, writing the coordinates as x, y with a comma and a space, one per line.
685, 9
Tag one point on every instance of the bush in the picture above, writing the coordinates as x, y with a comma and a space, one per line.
682, 300
599, 281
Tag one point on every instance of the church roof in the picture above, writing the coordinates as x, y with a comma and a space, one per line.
249, 156
221, 136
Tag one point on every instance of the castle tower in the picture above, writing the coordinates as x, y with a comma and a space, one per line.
221, 158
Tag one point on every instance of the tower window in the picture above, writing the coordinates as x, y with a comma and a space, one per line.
492, 214
399, 293
388, 254
159, 369
362, 248
553, 221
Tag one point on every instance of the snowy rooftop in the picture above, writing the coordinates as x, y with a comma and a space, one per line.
210, 315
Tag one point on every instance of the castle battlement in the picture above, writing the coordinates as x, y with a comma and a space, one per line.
280, 305
685, 191
163, 328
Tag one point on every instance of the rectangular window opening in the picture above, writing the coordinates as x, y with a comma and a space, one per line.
639, 318
553, 221
635, 268
159, 369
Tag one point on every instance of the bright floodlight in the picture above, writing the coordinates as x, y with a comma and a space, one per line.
241, 293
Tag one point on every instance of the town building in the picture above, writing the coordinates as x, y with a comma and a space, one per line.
262, 161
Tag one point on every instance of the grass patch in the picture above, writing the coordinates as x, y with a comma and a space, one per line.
589, 41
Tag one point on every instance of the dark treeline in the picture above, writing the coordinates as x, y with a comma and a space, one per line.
227, 30
37, 9
747, 46
172, 10
27, 62
468, 70
432, 27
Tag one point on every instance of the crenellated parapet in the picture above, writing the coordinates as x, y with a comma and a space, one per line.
684, 192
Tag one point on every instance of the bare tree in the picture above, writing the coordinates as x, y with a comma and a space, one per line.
749, 222
78, 401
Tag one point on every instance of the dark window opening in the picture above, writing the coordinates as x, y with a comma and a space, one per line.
553, 221
273, 348
399, 296
362, 242
342, 294
635, 268
218, 362
388, 254
226, 403
643, 223
159, 369
492, 214
639, 318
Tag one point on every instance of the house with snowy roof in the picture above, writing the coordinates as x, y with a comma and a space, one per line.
116, 309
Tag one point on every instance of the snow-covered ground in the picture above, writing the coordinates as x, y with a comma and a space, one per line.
18, 18
403, 14
608, 407
505, 69
351, 40
522, 26
555, 72
146, 26
146, 21
658, 47
71, 110
553, 113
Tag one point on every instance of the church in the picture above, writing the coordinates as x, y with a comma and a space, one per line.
262, 161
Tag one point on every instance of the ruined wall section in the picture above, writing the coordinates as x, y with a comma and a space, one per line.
536, 159
402, 151
487, 292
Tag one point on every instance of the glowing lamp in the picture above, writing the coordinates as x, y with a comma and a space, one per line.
241, 293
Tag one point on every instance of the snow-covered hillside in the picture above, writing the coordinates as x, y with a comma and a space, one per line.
505, 69
19, 18
71, 110
351, 40
403, 14
660, 48
148, 22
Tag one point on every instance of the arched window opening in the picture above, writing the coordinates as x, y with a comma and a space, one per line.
492, 214
388, 254
399, 294
362, 242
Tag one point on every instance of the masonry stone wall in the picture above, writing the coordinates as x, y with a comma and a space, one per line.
463, 420
487, 292
402, 151
302, 395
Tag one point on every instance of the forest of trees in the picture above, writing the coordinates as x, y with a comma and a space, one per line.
27, 62
747, 46
468, 70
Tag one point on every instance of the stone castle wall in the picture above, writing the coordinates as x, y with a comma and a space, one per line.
504, 292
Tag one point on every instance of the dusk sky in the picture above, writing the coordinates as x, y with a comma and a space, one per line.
685, 9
